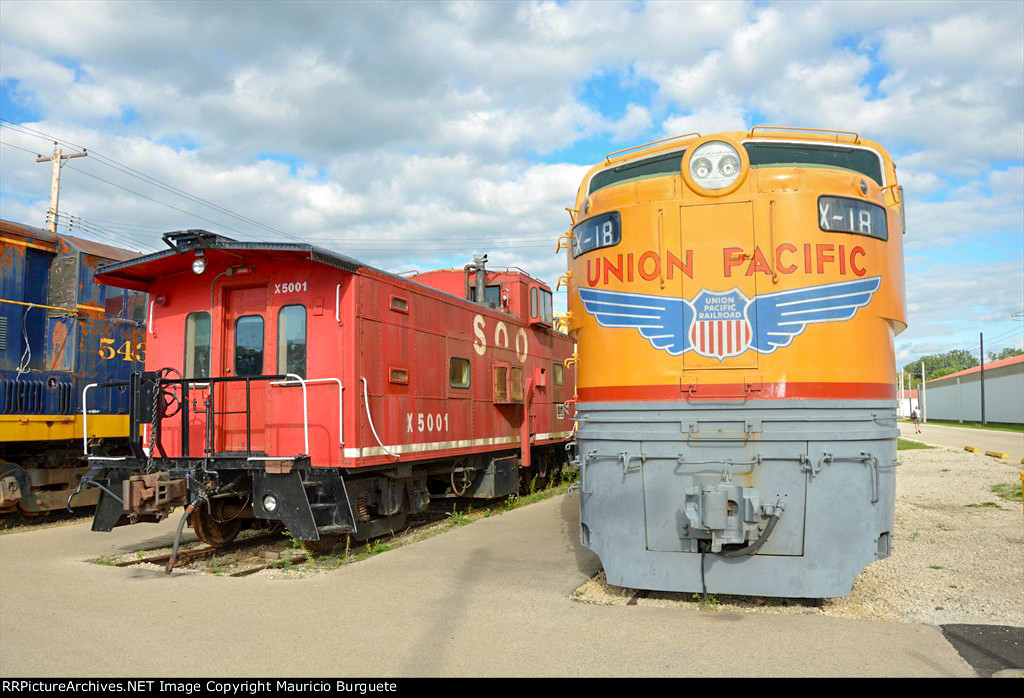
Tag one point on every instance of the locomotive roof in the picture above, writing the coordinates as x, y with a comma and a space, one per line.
138, 272
97, 249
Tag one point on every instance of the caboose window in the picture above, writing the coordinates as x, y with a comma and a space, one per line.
804, 155
545, 308
291, 340
557, 373
533, 302
458, 372
197, 345
501, 384
249, 345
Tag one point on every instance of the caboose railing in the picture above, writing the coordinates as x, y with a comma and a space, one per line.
146, 409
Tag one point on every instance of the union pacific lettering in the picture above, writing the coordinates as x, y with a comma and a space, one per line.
819, 258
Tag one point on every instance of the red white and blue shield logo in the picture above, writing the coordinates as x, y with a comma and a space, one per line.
720, 328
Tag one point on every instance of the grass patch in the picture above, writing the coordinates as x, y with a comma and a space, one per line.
908, 445
978, 425
984, 505
1009, 491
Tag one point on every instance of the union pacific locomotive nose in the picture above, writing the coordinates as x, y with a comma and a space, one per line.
737, 295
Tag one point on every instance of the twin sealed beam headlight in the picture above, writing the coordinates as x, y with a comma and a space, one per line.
715, 167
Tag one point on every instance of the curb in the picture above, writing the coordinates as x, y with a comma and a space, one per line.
997, 454
972, 449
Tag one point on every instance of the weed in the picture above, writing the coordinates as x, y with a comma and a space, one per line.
984, 505
711, 603
936, 567
456, 517
944, 527
914, 536
944, 470
1009, 491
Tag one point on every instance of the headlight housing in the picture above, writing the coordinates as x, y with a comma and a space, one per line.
715, 165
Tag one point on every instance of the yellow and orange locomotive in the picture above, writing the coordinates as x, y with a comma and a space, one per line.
735, 298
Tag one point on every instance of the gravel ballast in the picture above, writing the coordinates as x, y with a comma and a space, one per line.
958, 553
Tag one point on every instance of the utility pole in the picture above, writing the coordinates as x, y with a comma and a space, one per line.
58, 159
981, 340
924, 413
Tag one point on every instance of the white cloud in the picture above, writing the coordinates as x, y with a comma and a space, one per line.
423, 121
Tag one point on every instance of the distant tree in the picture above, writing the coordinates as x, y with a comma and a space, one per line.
938, 365
1005, 353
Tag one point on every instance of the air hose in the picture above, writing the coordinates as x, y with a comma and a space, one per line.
756, 545
762, 539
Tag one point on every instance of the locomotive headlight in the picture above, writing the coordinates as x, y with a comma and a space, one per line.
701, 168
728, 166
714, 165
270, 503
199, 263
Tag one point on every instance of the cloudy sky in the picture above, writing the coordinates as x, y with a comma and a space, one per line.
412, 135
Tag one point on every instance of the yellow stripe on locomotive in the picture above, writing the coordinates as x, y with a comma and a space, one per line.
646, 225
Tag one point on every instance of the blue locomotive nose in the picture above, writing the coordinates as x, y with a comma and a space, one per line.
60, 331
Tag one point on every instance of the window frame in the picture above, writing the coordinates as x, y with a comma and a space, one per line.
263, 345
469, 373
282, 342
209, 346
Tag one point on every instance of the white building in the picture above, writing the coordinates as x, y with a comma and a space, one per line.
957, 397
907, 403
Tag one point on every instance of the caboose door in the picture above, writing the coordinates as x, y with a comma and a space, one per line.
242, 405
724, 278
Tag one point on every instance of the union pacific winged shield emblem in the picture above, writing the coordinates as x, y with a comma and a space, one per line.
721, 324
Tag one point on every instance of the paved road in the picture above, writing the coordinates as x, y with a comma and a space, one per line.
1009, 442
488, 599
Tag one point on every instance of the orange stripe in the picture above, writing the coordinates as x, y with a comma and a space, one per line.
735, 391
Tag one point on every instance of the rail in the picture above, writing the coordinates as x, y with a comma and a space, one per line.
366, 399
143, 388
85, 428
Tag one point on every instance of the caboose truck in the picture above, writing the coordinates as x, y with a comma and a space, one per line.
286, 383
735, 299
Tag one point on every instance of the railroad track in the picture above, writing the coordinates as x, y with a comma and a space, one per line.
186, 557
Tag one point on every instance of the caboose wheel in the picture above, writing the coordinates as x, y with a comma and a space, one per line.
214, 532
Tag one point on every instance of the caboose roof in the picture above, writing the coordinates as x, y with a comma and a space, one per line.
139, 272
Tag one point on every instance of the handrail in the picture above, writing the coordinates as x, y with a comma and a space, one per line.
341, 388
856, 136
366, 399
85, 428
608, 157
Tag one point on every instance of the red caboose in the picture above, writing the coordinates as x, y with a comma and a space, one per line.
289, 383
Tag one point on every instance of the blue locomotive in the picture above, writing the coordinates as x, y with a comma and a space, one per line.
59, 333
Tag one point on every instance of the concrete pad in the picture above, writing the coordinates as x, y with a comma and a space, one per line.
487, 599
